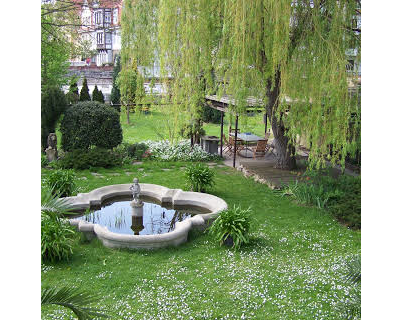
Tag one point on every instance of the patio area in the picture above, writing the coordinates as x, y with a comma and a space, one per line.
263, 171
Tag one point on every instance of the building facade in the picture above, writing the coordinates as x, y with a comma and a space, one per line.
101, 30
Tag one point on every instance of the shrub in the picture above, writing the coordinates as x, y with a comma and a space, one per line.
115, 93
56, 234
95, 94
53, 104
137, 150
72, 96
199, 177
341, 196
194, 130
44, 161
232, 224
61, 182
347, 208
80, 159
211, 115
87, 124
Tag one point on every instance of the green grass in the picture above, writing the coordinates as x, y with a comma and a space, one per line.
153, 126
291, 270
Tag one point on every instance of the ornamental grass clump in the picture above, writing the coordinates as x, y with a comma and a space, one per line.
199, 177
57, 236
232, 227
62, 182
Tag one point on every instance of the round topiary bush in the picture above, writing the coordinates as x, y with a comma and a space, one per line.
90, 123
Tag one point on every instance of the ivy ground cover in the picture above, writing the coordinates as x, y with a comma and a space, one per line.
293, 268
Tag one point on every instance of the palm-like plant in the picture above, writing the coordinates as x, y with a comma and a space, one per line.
352, 307
51, 204
75, 299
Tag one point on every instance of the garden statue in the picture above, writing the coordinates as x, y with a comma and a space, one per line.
51, 150
136, 204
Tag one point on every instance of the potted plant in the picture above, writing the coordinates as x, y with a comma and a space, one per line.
232, 227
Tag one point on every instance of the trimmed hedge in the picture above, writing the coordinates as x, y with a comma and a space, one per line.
88, 124
85, 159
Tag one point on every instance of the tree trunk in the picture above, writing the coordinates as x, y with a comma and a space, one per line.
285, 151
128, 114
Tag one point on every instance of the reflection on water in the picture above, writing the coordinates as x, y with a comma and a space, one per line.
117, 217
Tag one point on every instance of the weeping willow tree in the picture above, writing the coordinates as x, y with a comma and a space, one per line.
290, 54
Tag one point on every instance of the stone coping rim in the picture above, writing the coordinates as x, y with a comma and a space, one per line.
156, 192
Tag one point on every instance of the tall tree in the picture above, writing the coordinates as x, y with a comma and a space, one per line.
289, 53
127, 81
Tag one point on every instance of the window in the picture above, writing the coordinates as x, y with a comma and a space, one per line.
100, 38
108, 38
107, 17
115, 16
98, 17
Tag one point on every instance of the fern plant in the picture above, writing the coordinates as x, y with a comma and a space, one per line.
232, 224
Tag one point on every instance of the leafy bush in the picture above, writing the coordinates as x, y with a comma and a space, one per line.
341, 196
80, 159
137, 150
61, 182
211, 115
347, 208
91, 123
194, 130
199, 177
234, 223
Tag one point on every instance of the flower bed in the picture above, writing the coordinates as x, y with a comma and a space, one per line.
182, 151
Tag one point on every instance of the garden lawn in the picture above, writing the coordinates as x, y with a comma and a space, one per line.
292, 269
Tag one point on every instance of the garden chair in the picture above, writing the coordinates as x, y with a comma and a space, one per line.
239, 145
260, 149
269, 146
227, 145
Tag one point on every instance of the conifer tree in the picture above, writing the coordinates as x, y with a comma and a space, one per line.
72, 96
95, 94
101, 96
84, 93
115, 93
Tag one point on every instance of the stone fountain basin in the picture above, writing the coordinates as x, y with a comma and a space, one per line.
163, 195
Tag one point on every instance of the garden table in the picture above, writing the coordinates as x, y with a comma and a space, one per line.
247, 137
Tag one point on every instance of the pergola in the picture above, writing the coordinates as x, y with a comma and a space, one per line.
222, 103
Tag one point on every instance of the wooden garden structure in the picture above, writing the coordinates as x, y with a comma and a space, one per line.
222, 104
